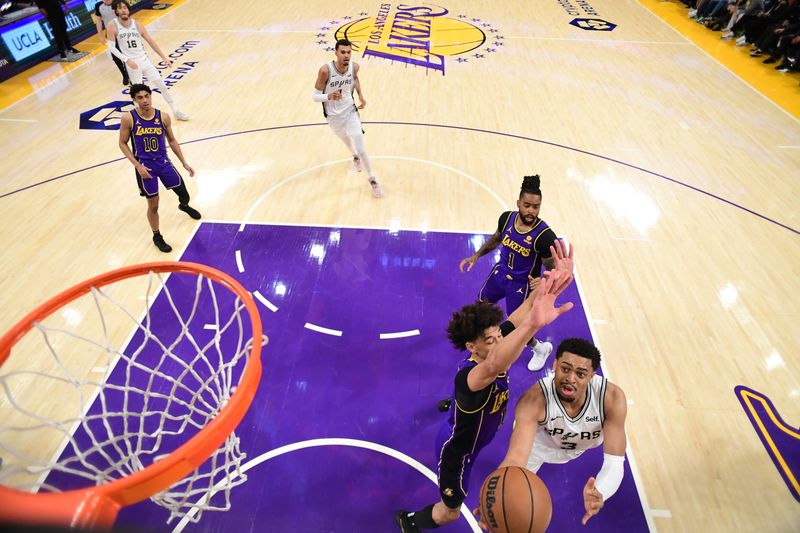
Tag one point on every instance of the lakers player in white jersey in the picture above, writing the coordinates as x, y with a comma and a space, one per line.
568, 412
334, 88
129, 36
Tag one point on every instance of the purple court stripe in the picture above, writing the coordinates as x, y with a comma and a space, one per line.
463, 128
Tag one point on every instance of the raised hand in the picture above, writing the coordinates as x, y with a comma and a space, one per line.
561, 259
592, 500
543, 309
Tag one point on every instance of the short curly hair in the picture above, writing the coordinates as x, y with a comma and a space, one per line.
582, 348
469, 323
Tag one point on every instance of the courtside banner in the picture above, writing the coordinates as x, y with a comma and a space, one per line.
28, 41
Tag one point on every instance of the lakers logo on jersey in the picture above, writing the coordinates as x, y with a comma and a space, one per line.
499, 401
528, 239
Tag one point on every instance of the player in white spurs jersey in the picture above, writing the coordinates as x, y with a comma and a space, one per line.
334, 88
568, 412
125, 32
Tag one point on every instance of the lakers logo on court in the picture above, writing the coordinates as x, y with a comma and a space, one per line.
424, 36
105, 117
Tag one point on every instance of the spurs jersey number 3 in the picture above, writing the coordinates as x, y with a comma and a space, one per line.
575, 434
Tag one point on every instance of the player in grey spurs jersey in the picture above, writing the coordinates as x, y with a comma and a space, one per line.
568, 412
126, 42
481, 386
336, 82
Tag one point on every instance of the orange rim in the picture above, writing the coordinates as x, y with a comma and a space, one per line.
97, 507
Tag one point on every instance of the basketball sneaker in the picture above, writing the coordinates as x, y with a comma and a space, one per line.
357, 164
540, 354
180, 115
377, 192
158, 240
402, 520
191, 211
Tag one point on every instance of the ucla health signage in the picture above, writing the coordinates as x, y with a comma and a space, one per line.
29, 41
25, 40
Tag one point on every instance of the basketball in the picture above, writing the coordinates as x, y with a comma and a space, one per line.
515, 500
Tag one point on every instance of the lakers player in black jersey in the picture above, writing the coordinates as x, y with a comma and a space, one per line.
481, 385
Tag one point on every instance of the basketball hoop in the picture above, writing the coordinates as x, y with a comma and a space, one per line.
164, 367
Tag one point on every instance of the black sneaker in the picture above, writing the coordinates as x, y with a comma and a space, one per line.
444, 405
402, 520
191, 211
126, 81
158, 240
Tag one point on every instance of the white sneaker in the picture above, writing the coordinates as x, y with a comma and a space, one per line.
180, 115
693, 14
377, 192
727, 35
741, 41
540, 354
357, 164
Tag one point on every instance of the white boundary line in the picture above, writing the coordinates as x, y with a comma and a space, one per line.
261, 298
320, 329
665, 23
239, 264
648, 511
592, 41
336, 162
264, 457
399, 334
344, 226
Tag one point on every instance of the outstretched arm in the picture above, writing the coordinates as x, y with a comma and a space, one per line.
529, 412
562, 260
542, 312
598, 491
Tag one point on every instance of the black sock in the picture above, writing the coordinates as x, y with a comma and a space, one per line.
423, 518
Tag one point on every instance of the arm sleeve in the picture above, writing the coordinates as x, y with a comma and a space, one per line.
544, 241
97, 9
319, 96
610, 476
507, 327
112, 47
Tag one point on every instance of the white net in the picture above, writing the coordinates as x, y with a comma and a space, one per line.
96, 392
